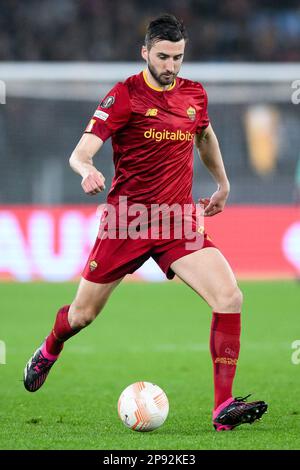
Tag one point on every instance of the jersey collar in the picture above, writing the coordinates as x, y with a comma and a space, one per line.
155, 87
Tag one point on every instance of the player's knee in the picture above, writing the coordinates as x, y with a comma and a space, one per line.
237, 300
82, 316
229, 301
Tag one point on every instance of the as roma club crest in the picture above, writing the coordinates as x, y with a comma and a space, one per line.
191, 112
107, 102
93, 265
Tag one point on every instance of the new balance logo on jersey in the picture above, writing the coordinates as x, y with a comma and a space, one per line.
151, 112
168, 135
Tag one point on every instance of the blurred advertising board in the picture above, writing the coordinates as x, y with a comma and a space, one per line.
53, 243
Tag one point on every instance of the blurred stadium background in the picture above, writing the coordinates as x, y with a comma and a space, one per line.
59, 58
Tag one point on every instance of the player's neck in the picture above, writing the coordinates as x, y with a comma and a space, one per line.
150, 80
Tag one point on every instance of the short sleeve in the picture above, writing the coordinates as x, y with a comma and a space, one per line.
203, 121
112, 114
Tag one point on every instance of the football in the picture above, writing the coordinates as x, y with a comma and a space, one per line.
143, 406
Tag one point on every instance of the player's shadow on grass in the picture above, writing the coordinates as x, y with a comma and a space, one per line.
208, 428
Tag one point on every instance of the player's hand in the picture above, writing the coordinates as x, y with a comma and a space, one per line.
215, 203
93, 182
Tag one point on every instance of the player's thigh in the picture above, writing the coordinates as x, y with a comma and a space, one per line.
91, 297
208, 272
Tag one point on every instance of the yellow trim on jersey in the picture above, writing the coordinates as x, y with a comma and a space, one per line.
155, 87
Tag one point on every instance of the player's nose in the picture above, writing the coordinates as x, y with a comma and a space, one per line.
170, 65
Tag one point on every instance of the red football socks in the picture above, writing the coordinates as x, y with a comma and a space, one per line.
60, 333
224, 348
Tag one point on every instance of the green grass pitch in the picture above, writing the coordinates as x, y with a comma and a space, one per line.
157, 333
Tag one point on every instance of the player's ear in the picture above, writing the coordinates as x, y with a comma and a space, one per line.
144, 53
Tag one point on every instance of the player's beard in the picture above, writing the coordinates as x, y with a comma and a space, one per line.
164, 78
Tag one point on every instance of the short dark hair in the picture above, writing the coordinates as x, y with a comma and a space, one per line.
165, 28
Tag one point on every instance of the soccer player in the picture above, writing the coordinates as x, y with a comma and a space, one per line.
154, 118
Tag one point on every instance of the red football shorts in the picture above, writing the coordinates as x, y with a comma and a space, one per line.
111, 259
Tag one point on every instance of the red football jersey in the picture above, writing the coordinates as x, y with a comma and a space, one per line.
152, 135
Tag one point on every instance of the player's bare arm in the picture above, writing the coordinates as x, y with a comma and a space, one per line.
209, 151
81, 161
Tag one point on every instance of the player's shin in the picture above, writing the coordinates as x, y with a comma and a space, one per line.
225, 348
60, 333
